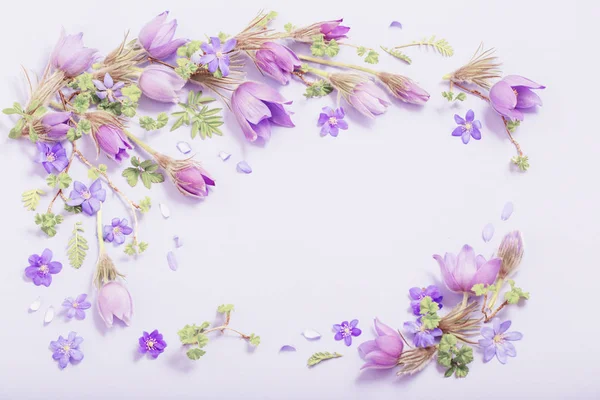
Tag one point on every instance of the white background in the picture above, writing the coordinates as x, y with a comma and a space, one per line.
325, 229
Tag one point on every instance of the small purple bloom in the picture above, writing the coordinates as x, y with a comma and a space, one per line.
56, 124
277, 61
467, 127
157, 37
333, 30
152, 343
117, 231
70, 56
331, 121
417, 294
215, 56
193, 180
346, 330
496, 341
108, 89
67, 350
41, 268
383, 352
160, 83
112, 141
52, 158
422, 337
75, 308
88, 199
512, 94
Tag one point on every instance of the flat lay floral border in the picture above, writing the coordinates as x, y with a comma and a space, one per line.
84, 96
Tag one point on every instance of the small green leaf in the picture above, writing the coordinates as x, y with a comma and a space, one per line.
148, 123
449, 372
185, 68
254, 340
142, 246
202, 340
73, 209
132, 91
189, 334
189, 49
321, 356
129, 108
81, 103
131, 175
447, 342
31, 199
319, 88
289, 27
372, 57
17, 131
223, 36
84, 125
130, 249
77, 247
464, 355
267, 18
479, 289
195, 353
430, 321
428, 306
397, 54
145, 204
48, 222
332, 48
444, 358
515, 294
161, 120
461, 97
83, 82
461, 371
225, 308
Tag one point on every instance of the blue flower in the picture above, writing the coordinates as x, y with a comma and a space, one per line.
422, 337
467, 127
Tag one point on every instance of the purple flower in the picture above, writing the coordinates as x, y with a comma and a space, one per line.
117, 231
193, 180
346, 330
157, 37
75, 308
368, 99
70, 56
496, 341
56, 124
512, 94
417, 294
108, 89
52, 158
152, 343
112, 141
333, 30
404, 88
463, 272
467, 127
215, 56
422, 337
88, 199
67, 350
383, 352
160, 83
114, 300
256, 106
331, 121
41, 268
277, 61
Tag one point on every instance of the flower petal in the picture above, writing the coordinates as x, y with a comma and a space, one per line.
526, 98
516, 80
487, 273
470, 116
513, 336
489, 353
458, 119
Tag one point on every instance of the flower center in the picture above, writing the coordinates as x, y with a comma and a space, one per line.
75, 304
86, 194
50, 157
66, 348
515, 92
468, 126
44, 269
219, 54
332, 121
498, 338
346, 331
117, 230
150, 344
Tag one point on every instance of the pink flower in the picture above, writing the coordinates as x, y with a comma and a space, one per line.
193, 180
463, 272
161, 84
114, 300
157, 37
277, 61
513, 94
113, 142
369, 99
70, 56
384, 351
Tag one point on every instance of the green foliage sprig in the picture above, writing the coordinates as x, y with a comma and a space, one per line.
203, 119
77, 247
48, 222
428, 310
151, 124
453, 357
397, 54
321, 356
370, 55
319, 88
321, 48
144, 170
33, 111
31, 198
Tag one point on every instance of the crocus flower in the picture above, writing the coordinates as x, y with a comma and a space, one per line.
215, 55
67, 350
160, 83
346, 330
404, 88
114, 300
152, 343
422, 337
467, 127
157, 37
369, 99
193, 180
108, 89
496, 341
333, 30
256, 106
75, 308
52, 158
513, 94
331, 121
417, 294
41, 268
112, 141
70, 56
117, 231
511, 252
384, 351
88, 199
277, 61
463, 272
55, 124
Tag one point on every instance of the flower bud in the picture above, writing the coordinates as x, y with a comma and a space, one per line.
112, 141
188, 175
362, 94
277, 61
157, 37
114, 300
511, 251
161, 84
70, 56
404, 88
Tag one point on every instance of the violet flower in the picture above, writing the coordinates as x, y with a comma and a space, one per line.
422, 337
52, 158
114, 300
116, 231
513, 94
369, 99
333, 30
417, 294
467, 127
383, 352
41, 268
277, 61
463, 272
157, 37
152, 343
215, 55
160, 83
331, 121
75, 308
496, 341
112, 141
56, 124
108, 89
256, 106
346, 330
88, 199
404, 88
67, 350
193, 180
70, 56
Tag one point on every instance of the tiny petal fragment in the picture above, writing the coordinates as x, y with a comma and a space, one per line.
488, 233
184, 147
507, 211
172, 261
164, 210
36, 304
243, 166
178, 241
224, 156
311, 334
287, 348
49, 316
396, 24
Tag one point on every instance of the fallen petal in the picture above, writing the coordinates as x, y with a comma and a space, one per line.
311, 334
224, 156
49, 316
488, 232
396, 24
287, 347
184, 147
507, 211
172, 261
243, 166
178, 242
164, 210
36, 304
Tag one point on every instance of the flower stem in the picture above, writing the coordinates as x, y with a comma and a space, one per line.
224, 327
337, 64
140, 143
60, 191
499, 285
465, 300
318, 72
492, 315
99, 231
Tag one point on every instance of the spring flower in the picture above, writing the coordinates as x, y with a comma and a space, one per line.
75, 308
152, 343
256, 106
513, 94
333, 29
88, 199
467, 127
422, 337
70, 56
117, 231
114, 300
157, 37
215, 55
361, 93
108, 89
417, 294
462, 272
277, 61
383, 352
346, 330
511, 252
404, 88
331, 121
111, 140
160, 83
67, 350
188, 175
52, 158
41, 268
496, 341
56, 124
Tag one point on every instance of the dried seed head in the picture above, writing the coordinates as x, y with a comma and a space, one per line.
511, 251
459, 323
414, 360
480, 70
105, 270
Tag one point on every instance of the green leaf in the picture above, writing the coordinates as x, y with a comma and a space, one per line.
62, 180
84, 125
131, 175
522, 162
185, 68
81, 103
33, 136
447, 342
223, 36
48, 222
73, 209
130, 249
479, 289
372, 57
461, 371
225, 308
332, 48
94, 173
254, 340
77, 247
129, 108
133, 92
202, 340
444, 358
145, 204
52, 180
17, 131
188, 334
83, 82
430, 321
319, 88
461, 97
161, 120
289, 27
31, 199
203, 119
267, 18
397, 54
189, 49
142, 246
449, 372
428, 306
73, 134
195, 354
112, 107
10, 111
512, 125
321, 356
464, 355
515, 294
148, 123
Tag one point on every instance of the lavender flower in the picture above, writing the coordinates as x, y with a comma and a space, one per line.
114, 300
152, 343
362, 94
55, 124
117, 231
333, 30
67, 350
52, 158
70, 56
108, 89
88, 199
215, 56
417, 294
41, 268
277, 61
467, 127
160, 83
513, 94
383, 352
157, 37
194, 180
331, 121
496, 341
404, 88
111, 140
75, 308
422, 337
346, 330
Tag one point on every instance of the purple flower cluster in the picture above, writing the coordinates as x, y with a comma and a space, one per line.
346, 330
152, 343
41, 268
417, 294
